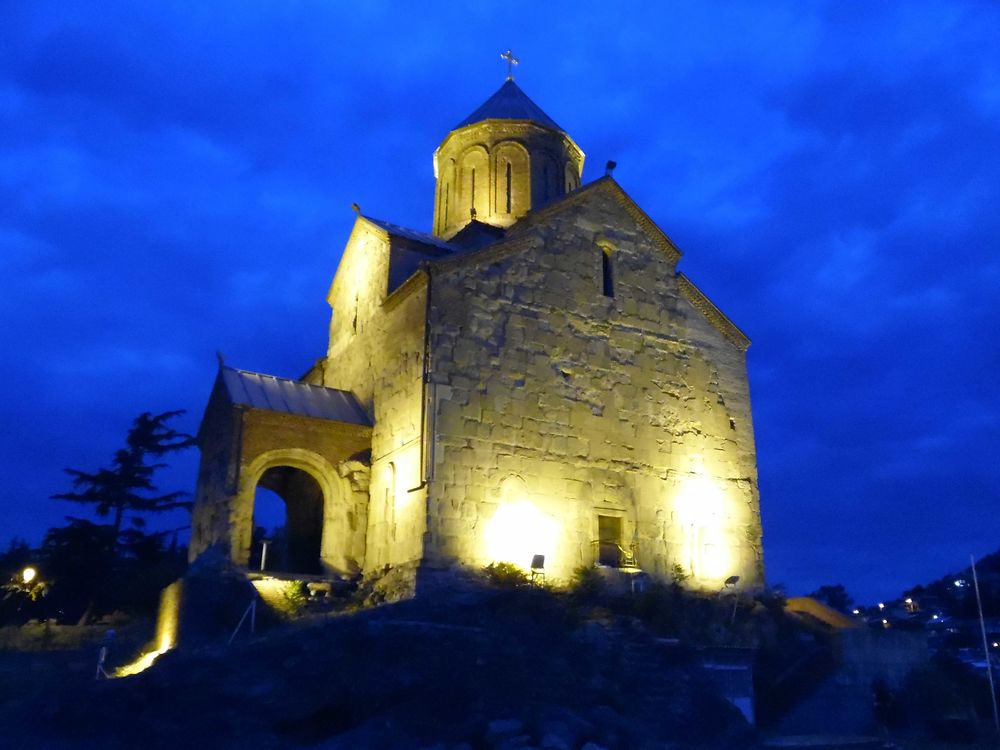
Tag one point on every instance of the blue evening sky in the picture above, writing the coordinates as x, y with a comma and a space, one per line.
176, 178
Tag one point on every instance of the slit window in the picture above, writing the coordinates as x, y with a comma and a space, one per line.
472, 194
607, 274
508, 187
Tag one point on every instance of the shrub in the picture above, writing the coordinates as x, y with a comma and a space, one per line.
587, 583
679, 574
295, 596
505, 574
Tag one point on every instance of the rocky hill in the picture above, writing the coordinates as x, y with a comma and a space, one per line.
494, 669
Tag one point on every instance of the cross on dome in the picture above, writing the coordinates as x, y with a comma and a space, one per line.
511, 62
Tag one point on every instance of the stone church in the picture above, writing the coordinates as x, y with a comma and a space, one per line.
534, 382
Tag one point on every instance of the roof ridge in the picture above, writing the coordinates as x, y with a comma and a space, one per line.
279, 377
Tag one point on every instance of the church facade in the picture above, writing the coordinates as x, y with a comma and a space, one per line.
534, 378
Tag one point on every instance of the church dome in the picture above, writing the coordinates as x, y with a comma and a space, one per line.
503, 160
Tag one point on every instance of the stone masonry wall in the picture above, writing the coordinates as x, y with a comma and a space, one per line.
376, 351
238, 445
559, 404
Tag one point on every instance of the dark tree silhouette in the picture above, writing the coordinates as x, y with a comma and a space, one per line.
127, 486
835, 596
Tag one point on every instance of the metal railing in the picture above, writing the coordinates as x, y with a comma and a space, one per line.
613, 555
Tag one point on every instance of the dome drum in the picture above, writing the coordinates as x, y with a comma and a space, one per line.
497, 169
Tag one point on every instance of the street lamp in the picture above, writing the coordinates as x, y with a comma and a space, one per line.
28, 574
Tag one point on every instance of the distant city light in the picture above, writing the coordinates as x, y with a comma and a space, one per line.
881, 606
28, 574
935, 617
959, 583
908, 600
857, 611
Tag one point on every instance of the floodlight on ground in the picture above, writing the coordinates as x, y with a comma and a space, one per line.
29, 574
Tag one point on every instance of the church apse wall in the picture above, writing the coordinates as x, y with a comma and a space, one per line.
565, 416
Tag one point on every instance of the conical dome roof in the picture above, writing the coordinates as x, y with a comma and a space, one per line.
509, 103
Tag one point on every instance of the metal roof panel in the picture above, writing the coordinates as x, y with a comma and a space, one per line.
259, 391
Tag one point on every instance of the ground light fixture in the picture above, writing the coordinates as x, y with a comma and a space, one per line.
29, 574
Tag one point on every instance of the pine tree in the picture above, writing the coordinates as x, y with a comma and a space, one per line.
126, 487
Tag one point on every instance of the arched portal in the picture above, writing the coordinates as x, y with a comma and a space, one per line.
296, 546
322, 524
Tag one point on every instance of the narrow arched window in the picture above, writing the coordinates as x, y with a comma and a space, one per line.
472, 192
389, 508
447, 202
607, 273
508, 187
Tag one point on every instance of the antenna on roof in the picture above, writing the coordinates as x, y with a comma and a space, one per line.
609, 168
511, 62
356, 208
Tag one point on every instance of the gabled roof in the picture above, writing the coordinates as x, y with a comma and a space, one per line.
476, 234
259, 391
509, 103
715, 316
511, 241
517, 239
394, 230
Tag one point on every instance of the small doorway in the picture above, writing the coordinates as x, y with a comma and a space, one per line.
609, 538
294, 545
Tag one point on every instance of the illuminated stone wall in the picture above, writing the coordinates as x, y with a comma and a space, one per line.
554, 404
376, 351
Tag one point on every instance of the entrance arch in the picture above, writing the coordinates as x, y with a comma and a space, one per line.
297, 550
317, 514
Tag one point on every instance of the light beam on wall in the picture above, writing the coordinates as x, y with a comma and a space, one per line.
701, 508
518, 531
166, 632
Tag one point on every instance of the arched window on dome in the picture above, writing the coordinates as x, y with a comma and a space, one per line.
547, 179
512, 184
572, 179
473, 183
